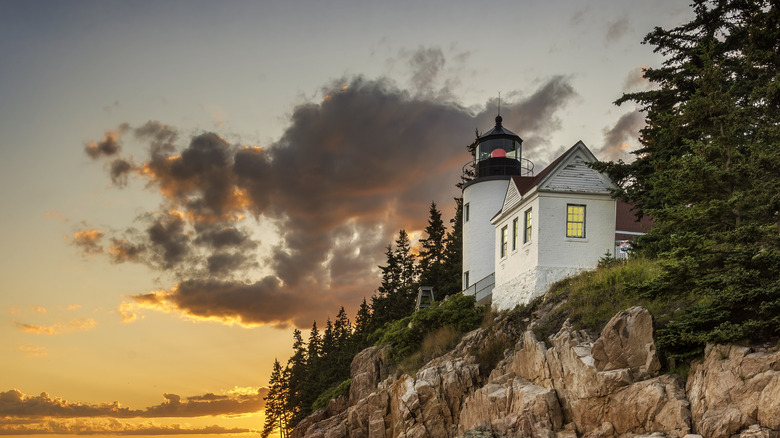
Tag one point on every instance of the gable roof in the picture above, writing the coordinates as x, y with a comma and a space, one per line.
574, 158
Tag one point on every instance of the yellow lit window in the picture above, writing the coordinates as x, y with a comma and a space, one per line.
575, 220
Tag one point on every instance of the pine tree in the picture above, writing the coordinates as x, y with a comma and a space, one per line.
296, 379
398, 291
360, 334
275, 412
453, 253
312, 386
707, 172
432, 254
407, 261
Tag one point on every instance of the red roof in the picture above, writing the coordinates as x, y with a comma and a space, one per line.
625, 220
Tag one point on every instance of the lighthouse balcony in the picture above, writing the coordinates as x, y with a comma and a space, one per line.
501, 167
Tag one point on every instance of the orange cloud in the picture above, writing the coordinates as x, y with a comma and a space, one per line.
58, 329
14, 403
57, 215
107, 427
88, 241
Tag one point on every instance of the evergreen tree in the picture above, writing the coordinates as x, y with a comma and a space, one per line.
432, 254
360, 333
312, 386
296, 379
407, 262
707, 172
397, 294
276, 417
453, 252
342, 329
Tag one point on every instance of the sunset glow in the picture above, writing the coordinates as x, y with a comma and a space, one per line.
186, 182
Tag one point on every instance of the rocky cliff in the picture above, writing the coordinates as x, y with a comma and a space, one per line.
577, 387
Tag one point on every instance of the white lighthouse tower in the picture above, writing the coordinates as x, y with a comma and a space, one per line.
498, 157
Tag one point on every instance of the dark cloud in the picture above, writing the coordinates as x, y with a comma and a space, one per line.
220, 237
108, 146
121, 250
16, 404
618, 139
162, 138
120, 168
345, 176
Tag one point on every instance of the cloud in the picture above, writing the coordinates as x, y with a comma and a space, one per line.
58, 329
636, 79
616, 29
616, 139
56, 215
106, 427
14, 403
427, 64
108, 146
120, 168
344, 177
88, 241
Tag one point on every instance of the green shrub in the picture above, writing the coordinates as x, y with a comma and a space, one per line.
330, 394
406, 335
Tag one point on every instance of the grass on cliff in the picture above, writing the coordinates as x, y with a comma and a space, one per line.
589, 300
429, 332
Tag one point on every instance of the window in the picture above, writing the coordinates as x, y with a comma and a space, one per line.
466, 213
466, 280
503, 241
527, 230
515, 233
575, 220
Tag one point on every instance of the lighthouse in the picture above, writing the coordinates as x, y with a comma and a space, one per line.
497, 158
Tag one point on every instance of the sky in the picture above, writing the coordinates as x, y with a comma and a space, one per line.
185, 182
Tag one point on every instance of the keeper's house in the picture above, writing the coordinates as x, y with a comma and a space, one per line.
523, 232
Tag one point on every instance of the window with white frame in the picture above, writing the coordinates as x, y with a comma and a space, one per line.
527, 226
503, 240
515, 233
575, 220
466, 212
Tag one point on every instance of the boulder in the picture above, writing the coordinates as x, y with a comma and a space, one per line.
627, 342
733, 389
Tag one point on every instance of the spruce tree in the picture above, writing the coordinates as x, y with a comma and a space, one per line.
453, 252
296, 379
275, 411
432, 254
707, 173
360, 333
312, 384
397, 293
